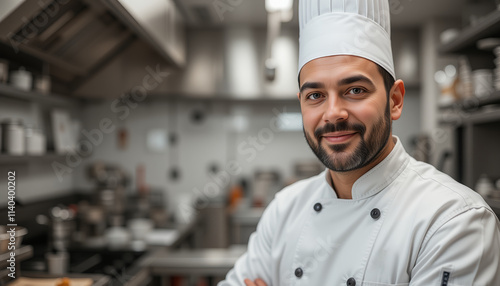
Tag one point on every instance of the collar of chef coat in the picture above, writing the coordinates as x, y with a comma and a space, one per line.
378, 177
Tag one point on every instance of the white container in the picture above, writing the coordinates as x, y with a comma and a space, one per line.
483, 82
14, 138
57, 262
117, 236
140, 228
21, 79
35, 142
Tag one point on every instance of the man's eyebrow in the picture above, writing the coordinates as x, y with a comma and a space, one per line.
355, 78
345, 81
308, 85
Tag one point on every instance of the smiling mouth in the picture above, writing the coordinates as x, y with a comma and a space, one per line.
338, 137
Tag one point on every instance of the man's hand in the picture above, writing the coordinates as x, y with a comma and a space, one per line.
257, 282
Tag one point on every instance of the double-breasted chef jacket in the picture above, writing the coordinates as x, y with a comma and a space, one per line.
407, 224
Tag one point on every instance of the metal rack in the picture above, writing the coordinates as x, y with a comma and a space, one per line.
476, 121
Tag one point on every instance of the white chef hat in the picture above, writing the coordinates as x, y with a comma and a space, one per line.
345, 27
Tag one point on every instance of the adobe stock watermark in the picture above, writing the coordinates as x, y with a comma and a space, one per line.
248, 149
223, 6
33, 27
121, 107
396, 6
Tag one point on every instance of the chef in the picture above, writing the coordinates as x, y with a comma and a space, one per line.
375, 216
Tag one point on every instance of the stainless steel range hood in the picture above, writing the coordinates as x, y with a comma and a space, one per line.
76, 38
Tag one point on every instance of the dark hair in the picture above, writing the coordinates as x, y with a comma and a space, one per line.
388, 79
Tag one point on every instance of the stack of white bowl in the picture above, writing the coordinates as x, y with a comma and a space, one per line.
496, 71
482, 80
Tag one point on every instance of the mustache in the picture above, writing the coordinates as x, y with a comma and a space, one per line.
337, 127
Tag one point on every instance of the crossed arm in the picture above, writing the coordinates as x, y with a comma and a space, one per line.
257, 282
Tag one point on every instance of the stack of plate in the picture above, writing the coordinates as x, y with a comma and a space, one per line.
496, 71
482, 80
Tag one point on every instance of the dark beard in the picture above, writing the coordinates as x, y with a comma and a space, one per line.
367, 150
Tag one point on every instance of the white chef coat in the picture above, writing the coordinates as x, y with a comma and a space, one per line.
407, 224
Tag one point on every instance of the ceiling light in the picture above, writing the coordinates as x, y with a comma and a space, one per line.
278, 5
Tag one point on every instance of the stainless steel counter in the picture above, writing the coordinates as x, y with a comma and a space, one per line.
215, 261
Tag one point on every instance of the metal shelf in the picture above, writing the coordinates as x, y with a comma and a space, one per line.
31, 96
474, 103
10, 159
489, 26
476, 110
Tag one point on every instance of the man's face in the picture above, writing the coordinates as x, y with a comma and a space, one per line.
345, 111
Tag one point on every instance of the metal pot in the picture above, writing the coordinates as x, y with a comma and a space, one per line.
62, 224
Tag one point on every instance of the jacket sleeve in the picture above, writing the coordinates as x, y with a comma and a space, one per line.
463, 250
257, 261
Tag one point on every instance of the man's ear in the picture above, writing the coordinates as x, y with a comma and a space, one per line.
298, 95
396, 97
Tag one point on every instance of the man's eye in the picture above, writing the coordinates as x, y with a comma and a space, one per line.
314, 95
356, 90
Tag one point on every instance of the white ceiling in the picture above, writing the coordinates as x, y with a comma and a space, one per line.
405, 13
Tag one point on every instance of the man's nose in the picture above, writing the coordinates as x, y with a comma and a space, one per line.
335, 110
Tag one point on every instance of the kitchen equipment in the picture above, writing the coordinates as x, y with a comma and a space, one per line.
448, 82
13, 137
19, 233
117, 236
162, 237
21, 79
112, 200
466, 87
265, 186
110, 183
43, 84
482, 80
35, 141
92, 219
57, 263
4, 71
62, 226
140, 228
61, 128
